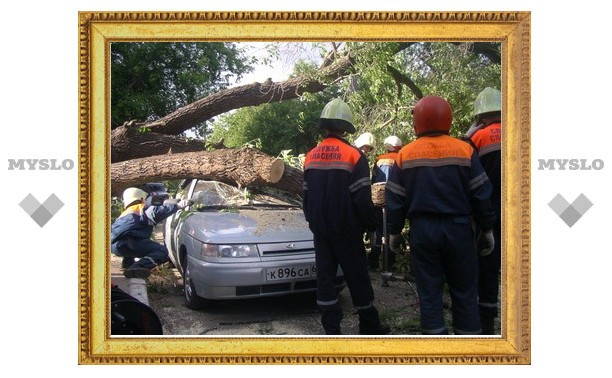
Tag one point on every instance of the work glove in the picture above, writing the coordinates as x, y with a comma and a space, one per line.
395, 242
184, 203
485, 242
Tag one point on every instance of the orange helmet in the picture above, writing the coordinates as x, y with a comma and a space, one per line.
432, 114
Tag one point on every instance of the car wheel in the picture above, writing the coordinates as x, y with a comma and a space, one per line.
192, 300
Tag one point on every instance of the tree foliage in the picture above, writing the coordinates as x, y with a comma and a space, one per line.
456, 73
152, 79
273, 127
390, 83
384, 83
174, 87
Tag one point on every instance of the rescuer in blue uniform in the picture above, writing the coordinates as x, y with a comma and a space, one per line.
131, 233
486, 135
439, 185
380, 172
338, 207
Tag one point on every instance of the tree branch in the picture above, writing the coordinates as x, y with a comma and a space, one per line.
126, 144
489, 49
130, 142
247, 95
404, 79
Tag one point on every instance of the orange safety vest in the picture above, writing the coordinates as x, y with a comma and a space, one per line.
337, 189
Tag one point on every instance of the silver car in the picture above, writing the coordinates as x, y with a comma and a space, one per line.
240, 243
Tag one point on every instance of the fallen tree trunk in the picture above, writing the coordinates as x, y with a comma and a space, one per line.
125, 142
128, 142
292, 181
244, 166
248, 95
161, 135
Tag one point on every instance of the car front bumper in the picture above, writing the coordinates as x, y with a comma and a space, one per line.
244, 280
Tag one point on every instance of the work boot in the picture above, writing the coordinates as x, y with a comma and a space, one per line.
331, 316
369, 322
487, 319
390, 260
488, 325
374, 258
137, 273
127, 262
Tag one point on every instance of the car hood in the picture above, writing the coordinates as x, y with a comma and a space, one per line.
247, 226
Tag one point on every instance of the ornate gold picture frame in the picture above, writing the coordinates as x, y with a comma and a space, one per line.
98, 29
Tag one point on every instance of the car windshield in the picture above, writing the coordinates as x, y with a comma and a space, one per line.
214, 194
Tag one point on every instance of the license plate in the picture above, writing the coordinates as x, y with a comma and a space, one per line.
291, 272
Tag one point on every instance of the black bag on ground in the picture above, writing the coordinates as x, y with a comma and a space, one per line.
129, 316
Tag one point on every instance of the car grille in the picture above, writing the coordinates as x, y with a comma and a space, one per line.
286, 248
263, 289
280, 287
303, 285
287, 251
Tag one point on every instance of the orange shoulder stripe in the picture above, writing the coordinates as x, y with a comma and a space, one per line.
488, 139
332, 153
386, 159
435, 151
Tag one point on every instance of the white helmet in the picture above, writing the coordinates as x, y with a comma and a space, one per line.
133, 194
393, 143
365, 139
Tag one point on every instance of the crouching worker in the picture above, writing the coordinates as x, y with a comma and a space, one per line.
338, 207
131, 233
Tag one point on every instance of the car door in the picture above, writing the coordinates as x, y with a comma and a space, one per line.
173, 225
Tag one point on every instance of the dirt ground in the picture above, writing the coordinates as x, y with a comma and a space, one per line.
396, 300
287, 315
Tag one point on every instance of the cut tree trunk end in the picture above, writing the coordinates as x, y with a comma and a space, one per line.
243, 167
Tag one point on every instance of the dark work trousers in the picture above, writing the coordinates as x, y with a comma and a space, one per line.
489, 269
348, 251
443, 250
376, 241
376, 251
150, 252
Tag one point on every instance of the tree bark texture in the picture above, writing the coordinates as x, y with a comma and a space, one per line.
127, 143
244, 166
247, 95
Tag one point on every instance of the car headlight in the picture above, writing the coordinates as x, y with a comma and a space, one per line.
229, 250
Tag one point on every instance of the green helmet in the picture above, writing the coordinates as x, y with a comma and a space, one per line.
487, 101
337, 116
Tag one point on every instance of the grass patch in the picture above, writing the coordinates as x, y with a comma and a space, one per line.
163, 279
